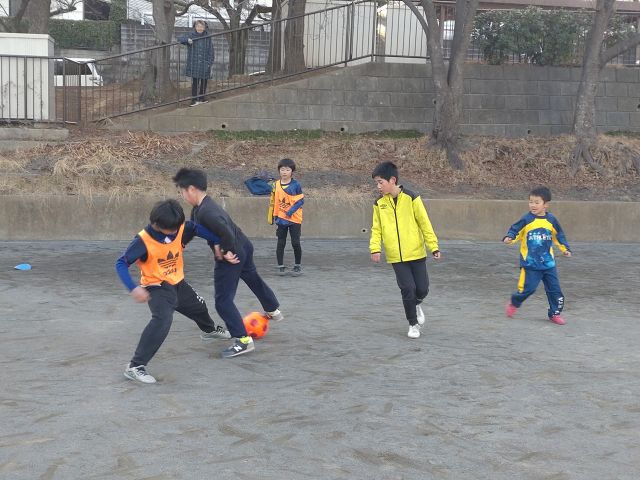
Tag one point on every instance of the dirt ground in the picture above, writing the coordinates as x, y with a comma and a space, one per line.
336, 390
129, 164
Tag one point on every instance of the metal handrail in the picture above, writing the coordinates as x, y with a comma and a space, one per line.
335, 36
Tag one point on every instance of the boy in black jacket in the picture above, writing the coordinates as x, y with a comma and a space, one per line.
233, 245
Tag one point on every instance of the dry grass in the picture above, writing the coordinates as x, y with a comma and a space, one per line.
118, 165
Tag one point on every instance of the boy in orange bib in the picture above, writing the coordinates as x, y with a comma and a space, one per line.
287, 200
158, 251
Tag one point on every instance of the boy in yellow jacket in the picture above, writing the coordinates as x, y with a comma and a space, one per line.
401, 223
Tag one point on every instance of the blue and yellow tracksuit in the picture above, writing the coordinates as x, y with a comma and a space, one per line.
537, 234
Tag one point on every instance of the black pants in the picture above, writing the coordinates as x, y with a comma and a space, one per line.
225, 280
198, 89
165, 299
413, 281
295, 230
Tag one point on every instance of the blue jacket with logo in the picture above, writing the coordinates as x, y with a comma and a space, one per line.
537, 236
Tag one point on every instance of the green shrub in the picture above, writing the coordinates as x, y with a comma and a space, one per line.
91, 34
542, 37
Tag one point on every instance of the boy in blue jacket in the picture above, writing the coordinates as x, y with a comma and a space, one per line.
537, 231
287, 200
158, 251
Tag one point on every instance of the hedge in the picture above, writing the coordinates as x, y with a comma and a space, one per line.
90, 34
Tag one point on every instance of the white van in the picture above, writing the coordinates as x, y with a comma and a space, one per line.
78, 72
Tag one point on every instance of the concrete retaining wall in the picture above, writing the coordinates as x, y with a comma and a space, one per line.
72, 218
503, 100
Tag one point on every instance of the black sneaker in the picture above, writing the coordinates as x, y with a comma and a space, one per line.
240, 346
282, 270
297, 270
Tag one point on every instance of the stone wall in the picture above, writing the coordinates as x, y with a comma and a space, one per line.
506, 100
75, 218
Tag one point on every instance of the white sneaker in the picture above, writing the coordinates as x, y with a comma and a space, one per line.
138, 373
414, 331
276, 315
218, 332
420, 315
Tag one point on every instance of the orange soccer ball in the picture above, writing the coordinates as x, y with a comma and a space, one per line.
256, 324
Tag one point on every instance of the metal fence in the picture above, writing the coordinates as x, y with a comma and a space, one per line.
43, 89
63, 90
154, 77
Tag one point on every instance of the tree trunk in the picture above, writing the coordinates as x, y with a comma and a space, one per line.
237, 47
584, 127
157, 86
36, 15
448, 80
294, 61
446, 126
274, 62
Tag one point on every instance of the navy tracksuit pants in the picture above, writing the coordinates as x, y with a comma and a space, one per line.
413, 281
529, 281
225, 280
164, 300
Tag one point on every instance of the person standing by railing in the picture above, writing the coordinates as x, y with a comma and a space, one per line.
199, 60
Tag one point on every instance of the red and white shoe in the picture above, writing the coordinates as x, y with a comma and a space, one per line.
510, 310
557, 319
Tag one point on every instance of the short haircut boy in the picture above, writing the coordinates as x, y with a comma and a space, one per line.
543, 192
187, 177
287, 162
385, 170
167, 214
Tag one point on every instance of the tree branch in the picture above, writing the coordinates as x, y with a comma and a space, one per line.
204, 4
434, 47
60, 11
20, 13
618, 49
251, 16
461, 38
185, 7
411, 6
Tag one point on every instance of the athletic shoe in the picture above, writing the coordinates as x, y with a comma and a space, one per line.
281, 270
297, 270
218, 332
138, 373
276, 315
510, 311
240, 346
557, 319
420, 315
414, 331
193, 104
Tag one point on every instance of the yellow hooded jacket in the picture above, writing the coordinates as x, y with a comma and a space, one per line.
403, 227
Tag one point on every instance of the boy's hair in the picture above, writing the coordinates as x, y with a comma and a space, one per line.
202, 22
187, 177
287, 162
543, 192
167, 214
385, 170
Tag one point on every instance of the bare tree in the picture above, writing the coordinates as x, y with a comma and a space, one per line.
294, 61
595, 59
33, 15
274, 62
156, 78
448, 79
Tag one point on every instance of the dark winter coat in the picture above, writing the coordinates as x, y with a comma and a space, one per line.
199, 54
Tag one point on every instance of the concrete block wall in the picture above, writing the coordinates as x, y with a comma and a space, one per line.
48, 218
506, 100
